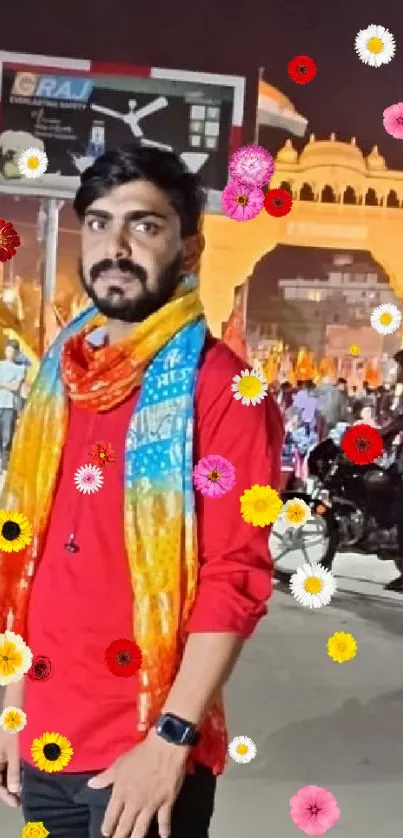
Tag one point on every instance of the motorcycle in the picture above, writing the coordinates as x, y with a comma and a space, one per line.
350, 511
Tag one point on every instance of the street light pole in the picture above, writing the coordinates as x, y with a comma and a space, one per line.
47, 237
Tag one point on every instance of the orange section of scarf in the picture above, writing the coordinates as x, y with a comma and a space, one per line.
99, 379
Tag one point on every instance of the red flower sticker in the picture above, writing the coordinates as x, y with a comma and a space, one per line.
302, 69
123, 658
278, 202
41, 668
9, 240
101, 454
362, 444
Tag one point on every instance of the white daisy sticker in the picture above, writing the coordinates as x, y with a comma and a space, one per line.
32, 163
88, 479
250, 387
312, 586
375, 45
296, 512
386, 319
242, 749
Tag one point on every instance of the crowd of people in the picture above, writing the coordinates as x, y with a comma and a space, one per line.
314, 412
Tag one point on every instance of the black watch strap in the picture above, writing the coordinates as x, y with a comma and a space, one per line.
177, 731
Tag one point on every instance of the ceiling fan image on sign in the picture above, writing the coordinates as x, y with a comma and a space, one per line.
193, 160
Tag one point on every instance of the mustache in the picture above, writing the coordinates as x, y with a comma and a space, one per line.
122, 265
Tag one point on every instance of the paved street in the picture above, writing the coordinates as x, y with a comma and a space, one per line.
315, 721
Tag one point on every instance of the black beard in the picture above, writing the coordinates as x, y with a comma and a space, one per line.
132, 311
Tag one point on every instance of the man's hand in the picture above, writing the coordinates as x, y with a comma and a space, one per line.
9, 769
146, 782
10, 784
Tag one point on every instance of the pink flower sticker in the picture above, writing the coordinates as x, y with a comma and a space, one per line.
242, 202
314, 810
393, 120
251, 165
214, 476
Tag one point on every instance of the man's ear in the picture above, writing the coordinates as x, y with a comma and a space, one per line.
192, 249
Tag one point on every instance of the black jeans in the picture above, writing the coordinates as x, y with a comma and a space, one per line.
8, 418
69, 809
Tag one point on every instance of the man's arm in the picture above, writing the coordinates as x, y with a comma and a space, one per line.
389, 431
206, 666
13, 385
235, 578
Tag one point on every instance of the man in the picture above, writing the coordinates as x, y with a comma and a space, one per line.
121, 589
21, 399
333, 402
306, 403
11, 378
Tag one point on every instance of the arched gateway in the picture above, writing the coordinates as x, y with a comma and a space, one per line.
366, 214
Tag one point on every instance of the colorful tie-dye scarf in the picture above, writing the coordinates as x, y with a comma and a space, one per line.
159, 514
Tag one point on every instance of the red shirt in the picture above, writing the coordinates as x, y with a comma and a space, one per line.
75, 611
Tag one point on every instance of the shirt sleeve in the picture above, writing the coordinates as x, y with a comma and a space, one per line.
235, 567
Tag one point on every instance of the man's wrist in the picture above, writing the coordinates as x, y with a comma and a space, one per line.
13, 694
176, 730
180, 752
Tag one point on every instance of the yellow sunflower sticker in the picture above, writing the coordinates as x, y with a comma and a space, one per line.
51, 752
260, 505
35, 829
15, 531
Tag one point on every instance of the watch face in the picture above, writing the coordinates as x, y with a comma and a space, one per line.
170, 729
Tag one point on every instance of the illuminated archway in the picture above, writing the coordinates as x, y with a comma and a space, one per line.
233, 248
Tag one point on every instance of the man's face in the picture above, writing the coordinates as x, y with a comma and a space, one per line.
131, 251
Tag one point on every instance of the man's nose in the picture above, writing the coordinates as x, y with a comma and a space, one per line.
119, 244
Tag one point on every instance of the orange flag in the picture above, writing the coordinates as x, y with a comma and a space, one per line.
234, 332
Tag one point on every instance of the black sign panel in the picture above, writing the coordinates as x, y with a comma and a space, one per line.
74, 117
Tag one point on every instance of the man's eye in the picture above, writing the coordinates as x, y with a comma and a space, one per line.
145, 227
96, 224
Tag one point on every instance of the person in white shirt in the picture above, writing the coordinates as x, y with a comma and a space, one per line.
11, 378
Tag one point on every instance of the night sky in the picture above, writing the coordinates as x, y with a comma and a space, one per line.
231, 36
237, 37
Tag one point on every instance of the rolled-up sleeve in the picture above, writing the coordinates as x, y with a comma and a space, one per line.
235, 567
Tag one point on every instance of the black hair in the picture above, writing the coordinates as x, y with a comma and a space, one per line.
398, 357
164, 169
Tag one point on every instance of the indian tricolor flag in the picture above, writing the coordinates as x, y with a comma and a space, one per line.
276, 111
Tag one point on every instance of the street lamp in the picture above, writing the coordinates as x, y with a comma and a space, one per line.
9, 295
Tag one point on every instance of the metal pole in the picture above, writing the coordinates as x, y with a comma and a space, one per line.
260, 78
51, 241
47, 235
40, 270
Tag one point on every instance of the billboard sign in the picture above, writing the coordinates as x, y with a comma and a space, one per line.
74, 110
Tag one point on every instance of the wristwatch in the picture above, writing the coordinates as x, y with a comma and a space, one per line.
177, 731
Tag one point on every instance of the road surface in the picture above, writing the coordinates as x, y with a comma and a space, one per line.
315, 721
